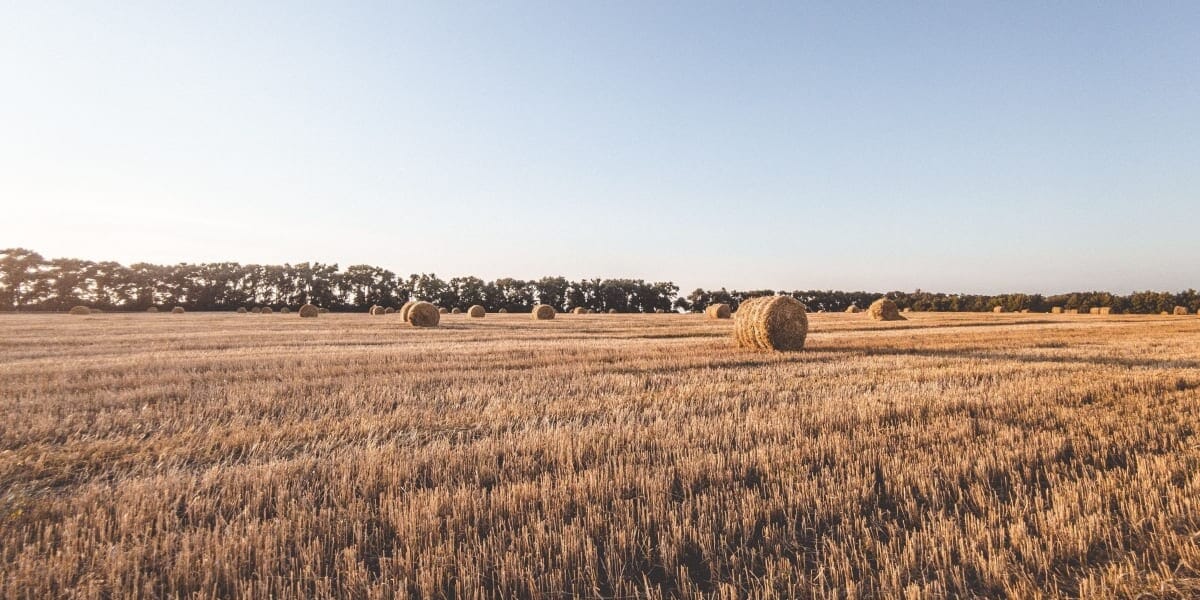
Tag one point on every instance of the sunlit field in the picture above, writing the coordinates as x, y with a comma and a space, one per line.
603, 456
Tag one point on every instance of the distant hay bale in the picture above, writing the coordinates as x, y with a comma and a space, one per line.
476, 312
1072, 311
376, 311
502, 311
80, 310
543, 312
309, 311
405, 308
884, 309
719, 310
659, 311
241, 310
442, 310
424, 314
906, 309
612, 311
1164, 313
389, 310
266, 310
456, 311
285, 310
178, 310
1057, 310
771, 323
850, 309
1105, 310
1181, 310
997, 309
579, 310
322, 310
1095, 310
1024, 311
152, 309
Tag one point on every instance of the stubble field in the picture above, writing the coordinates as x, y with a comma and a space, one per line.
606, 456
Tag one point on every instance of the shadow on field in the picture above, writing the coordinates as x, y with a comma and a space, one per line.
1013, 356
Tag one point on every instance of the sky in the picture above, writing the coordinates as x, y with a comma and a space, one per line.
945, 146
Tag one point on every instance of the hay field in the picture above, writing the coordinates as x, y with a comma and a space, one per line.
612, 456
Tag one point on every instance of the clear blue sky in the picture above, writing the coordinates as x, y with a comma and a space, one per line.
946, 146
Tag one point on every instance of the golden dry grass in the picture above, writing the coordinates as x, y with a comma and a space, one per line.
631, 456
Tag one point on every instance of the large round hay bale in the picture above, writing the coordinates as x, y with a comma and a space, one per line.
502, 311
543, 312
1181, 310
152, 309
442, 310
309, 311
579, 310
404, 308
718, 311
1057, 310
178, 310
241, 310
850, 309
477, 312
285, 310
771, 323
884, 309
266, 310
389, 310
424, 314
997, 309
80, 310
456, 311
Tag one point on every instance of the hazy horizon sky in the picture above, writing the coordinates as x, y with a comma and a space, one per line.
958, 147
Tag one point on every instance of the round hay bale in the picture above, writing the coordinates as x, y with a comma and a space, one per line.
906, 309
405, 308
579, 310
1164, 313
389, 310
375, 311
1072, 311
718, 311
266, 310
503, 311
1181, 310
456, 311
476, 312
543, 312
997, 309
424, 314
850, 309
612, 311
79, 310
242, 310
884, 309
1057, 310
1024, 311
309, 311
285, 310
659, 311
152, 309
442, 310
777, 323
1095, 310
1106, 310
178, 310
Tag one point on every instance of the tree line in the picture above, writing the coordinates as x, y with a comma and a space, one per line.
30, 282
